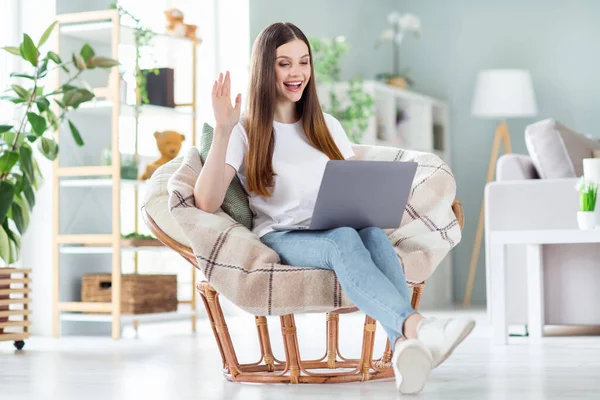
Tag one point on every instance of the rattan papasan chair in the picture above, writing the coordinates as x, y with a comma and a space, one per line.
157, 211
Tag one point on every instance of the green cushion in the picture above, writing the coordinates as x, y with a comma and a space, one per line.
236, 203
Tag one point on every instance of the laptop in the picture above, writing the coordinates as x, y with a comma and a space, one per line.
360, 194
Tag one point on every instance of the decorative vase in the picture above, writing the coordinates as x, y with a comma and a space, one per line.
586, 220
398, 81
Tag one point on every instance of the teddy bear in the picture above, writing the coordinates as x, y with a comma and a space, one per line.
176, 27
169, 144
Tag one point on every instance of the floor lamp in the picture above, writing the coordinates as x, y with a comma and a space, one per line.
499, 94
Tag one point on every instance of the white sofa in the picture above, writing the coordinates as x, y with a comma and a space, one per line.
520, 199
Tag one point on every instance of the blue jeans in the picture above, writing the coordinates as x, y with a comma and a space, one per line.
365, 263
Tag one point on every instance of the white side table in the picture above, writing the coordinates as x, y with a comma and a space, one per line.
534, 239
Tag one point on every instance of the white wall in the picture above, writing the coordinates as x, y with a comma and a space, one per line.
9, 34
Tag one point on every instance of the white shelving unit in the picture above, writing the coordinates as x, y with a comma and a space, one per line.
88, 213
424, 125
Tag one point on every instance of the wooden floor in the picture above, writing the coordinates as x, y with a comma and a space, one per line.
167, 362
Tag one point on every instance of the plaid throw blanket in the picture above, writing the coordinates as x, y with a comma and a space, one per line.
248, 273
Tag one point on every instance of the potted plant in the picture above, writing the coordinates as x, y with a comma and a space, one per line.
355, 111
37, 124
143, 38
401, 25
586, 216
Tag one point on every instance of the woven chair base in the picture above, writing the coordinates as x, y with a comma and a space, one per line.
294, 369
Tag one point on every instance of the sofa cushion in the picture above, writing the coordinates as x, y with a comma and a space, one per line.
236, 203
514, 167
557, 151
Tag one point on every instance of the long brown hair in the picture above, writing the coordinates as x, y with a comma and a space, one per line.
262, 100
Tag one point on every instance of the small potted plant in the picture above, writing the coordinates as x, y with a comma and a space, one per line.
401, 25
586, 216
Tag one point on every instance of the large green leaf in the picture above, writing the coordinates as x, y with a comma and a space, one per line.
86, 95
30, 51
73, 98
4, 246
56, 58
42, 104
12, 50
17, 75
14, 242
78, 61
14, 251
46, 34
16, 239
28, 193
87, 52
43, 69
21, 92
20, 214
38, 174
102, 62
11, 235
48, 147
38, 124
66, 87
15, 100
60, 103
25, 161
7, 192
75, 133
8, 159
52, 119
19, 183
9, 137
5, 128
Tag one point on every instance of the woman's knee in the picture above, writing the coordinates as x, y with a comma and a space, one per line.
345, 237
372, 233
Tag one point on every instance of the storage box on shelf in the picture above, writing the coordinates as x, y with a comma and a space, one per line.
14, 305
90, 213
140, 293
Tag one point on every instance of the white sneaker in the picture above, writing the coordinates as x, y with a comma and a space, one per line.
441, 336
412, 364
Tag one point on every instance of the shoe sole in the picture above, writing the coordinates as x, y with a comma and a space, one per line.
413, 364
463, 335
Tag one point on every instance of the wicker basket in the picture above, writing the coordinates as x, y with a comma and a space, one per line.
140, 293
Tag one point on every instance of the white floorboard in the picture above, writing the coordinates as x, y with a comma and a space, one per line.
168, 362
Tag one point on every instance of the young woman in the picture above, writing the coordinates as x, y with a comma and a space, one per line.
279, 150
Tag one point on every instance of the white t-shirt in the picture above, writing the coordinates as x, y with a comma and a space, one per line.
299, 168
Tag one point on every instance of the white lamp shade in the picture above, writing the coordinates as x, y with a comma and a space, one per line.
504, 93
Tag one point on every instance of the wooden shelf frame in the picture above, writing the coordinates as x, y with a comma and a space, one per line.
110, 21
